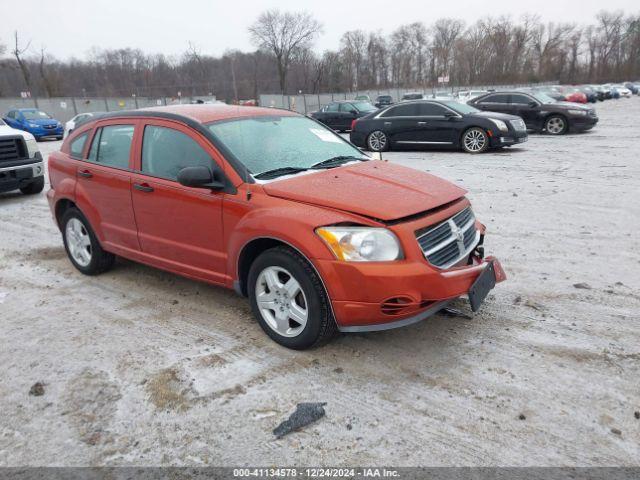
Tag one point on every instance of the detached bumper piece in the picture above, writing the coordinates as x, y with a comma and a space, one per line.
485, 282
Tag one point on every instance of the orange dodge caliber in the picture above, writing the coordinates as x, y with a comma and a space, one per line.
273, 204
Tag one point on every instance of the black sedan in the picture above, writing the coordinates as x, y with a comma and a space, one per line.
340, 115
383, 101
540, 112
443, 124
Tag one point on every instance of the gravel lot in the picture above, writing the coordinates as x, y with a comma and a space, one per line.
141, 367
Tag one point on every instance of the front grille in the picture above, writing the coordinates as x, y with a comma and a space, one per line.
450, 241
518, 125
50, 127
12, 149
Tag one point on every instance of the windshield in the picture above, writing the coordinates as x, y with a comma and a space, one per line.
2, 122
462, 108
34, 115
364, 106
270, 142
542, 97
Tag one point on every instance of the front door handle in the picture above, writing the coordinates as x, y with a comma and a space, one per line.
143, 187
422, 124
387, 123
85, 174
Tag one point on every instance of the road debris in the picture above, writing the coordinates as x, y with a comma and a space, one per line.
305, 414
582, 286
37, 389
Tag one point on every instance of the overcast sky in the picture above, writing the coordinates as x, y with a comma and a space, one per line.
71, 27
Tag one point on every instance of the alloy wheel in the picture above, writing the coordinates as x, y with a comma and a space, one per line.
78, 242
377, 141
475, 140
281, 301
555, 125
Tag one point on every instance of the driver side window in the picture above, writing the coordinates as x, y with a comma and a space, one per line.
166, 151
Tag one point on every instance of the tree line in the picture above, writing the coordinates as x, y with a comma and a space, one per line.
493, 50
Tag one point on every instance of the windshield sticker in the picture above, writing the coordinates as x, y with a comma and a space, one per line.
324, 135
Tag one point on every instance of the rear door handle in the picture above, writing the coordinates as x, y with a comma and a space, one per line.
422, 124
143, 187
85, 174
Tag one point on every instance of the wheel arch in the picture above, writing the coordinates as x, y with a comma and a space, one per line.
61, 207
253, 248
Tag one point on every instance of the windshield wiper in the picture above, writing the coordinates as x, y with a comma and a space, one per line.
278, 172
335, 161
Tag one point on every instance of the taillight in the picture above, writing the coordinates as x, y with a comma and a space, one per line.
353, 123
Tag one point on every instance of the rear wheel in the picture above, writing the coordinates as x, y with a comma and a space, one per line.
556, 125
34, 187
475, 140
82, 245
289, 301
377, 141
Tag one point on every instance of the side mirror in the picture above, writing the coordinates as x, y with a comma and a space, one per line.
353, 112
533, 104
449, 115
199, 177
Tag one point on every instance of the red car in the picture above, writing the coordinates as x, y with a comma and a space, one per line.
574, 95
277, 206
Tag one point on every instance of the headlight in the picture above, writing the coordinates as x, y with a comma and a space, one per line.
578, 112
59, 125
32, 146
33, 125
361, 244
500, 124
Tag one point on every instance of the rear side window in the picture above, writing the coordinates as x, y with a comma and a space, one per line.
77, 146
521, 99
431, 110
498, 98
166, 151
332, 107
112, 145
346, 107
407, 110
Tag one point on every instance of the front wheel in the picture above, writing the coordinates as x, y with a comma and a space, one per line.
288, 299
34, 187
377, 141
475, 140
82, 245
556, 125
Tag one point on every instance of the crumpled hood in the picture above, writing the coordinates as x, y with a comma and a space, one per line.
375, 189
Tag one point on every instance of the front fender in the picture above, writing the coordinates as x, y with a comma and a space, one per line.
290, 223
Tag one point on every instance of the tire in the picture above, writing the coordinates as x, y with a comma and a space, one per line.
59, 138
556, 125
95, 260
279, 309
34, 187
377, 141
474, 140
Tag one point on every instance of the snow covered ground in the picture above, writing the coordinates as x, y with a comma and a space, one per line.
141, 367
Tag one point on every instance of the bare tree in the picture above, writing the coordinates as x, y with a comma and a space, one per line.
43, 74
284, 34
18, 52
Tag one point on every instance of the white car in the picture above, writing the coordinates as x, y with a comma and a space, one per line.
623, 91
466, 95
443, 96
77, 120
19, 150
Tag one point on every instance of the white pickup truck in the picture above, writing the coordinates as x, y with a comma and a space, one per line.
21, 164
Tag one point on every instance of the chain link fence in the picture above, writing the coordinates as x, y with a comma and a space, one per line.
310, 102
65, 108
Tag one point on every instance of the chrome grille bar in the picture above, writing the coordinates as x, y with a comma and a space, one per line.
450, 241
